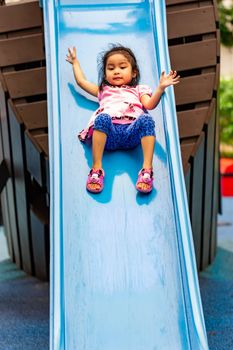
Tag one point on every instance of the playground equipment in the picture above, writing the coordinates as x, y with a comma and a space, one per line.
193, 46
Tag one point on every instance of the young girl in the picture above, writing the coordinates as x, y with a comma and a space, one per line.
122, 120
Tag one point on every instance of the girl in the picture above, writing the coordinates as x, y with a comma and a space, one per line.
122, 120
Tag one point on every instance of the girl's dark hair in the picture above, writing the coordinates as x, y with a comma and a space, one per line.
102, 60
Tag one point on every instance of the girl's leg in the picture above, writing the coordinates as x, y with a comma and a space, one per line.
144, 130
148, 143
98, 143
102, 127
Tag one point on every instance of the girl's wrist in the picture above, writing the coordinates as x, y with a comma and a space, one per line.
161, 88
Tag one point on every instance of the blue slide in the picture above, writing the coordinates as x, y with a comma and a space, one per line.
123, 270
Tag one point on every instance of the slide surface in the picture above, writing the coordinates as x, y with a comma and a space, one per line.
123, 273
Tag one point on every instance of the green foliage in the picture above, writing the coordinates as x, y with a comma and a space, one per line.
226, 111
226, 23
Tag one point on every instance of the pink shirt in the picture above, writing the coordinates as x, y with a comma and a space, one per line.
121, 103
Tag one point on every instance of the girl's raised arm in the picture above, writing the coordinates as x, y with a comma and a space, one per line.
150, 102
80, 78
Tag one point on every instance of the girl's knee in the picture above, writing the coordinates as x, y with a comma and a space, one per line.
103, 122
146, 119
147, 125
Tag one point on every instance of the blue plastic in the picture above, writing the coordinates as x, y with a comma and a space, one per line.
123, 270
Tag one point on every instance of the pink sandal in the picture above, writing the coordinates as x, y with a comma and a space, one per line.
145, 180
95, 177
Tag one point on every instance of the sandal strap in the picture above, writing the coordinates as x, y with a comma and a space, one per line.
99, 172
148, 171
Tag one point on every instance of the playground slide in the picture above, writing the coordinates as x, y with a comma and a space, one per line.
123, 271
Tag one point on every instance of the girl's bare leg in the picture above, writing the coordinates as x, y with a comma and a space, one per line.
98, 143
148, 144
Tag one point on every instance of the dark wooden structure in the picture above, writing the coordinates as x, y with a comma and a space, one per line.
24, 135
24, 158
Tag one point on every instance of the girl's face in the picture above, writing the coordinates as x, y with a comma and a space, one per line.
118, 70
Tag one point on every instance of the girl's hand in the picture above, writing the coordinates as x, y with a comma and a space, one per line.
71, 57
168, 79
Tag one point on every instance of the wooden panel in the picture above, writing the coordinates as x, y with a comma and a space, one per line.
191, 122
10, 215
175, 2
2, 82
26, 83
196, 197
187, 178
186, 150
218, 36
5, 220
208, 189
6, 223
10, 192
21, 50
20, 16
47, 175
42, 140
35, 158
20, 175
39, 218
216, 193
193, 55
40, 244
33, 115
195, 89
4, 174
217, 77
191, 22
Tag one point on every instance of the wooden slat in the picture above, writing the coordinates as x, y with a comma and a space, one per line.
193, 55
4, 174
36, 150
47, 175
39, 219
195, 89
187, 178
175, 2
21, 50
196, 197
7, 223
217, 77
42, 140
208, 189
21, 188
191, 122
33, 115
216, 193
2, 82
26, 83
191, 22
20, 16
40, 245
8, 199
186, 150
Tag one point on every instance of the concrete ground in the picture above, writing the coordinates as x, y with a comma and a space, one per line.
24, 307
216, 284
24, 300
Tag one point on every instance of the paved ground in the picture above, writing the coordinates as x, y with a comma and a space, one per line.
24, 301
216, 284
24, 307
